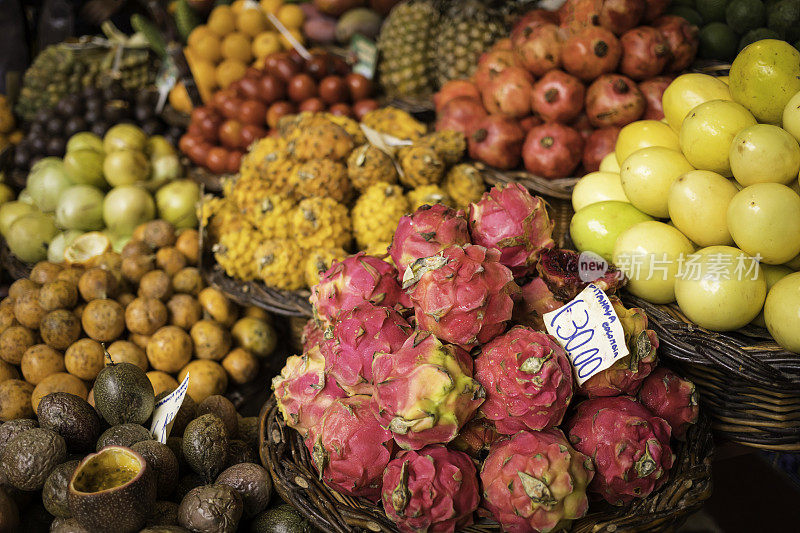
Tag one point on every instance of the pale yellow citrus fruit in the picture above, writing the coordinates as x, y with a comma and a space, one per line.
251, 22
291, 16
236, 46
687, 92
644, 133
230, 71
208, 48
222, 20
266, 43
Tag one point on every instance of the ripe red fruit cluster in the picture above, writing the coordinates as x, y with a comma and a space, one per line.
221, 131
554, 95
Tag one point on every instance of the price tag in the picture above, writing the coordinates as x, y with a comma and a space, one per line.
366, 53
590, 332
165, 80
165, 411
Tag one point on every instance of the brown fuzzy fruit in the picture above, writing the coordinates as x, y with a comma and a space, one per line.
58, 382
170, 260
126, 352
241, 366
126, 299
7, 318
134, 267
184, 311
139, 340
138, 232
159, 233
103, 320
169, 349
156, 284
60, 328
85, 359
45, 272
216, 304
13, 343
211, 340
134, 248
189, 281
206, 378
145, 315
96, 284
27, 310
20, 287
188, 244
161, 381
15, 400
58, 294
71, 274
39, 361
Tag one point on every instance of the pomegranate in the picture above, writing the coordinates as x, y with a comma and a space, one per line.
537, 16
497, 141
491, 64
578, 14
502, 44
454, 89
552, 150
591, 52
599, 144
682, 39
620, 16
530, 122
582, 125
654, 9
509, 93
645, 53
653, 91
614, 100
558, 96
460, 114
538, 46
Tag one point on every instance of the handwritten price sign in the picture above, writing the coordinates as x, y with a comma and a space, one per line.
165, 411
590, 332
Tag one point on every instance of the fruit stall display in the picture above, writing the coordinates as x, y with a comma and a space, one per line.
554, 95
409, 397
702, 212
234, 118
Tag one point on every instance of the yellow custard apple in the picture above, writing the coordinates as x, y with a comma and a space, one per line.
272, 215
321, 140
321, 222
427, 194
449, 144
319, 260
350, 126
395, 122
270, 162
464, 184
421, 165
321, 177
368, 165
377, 212
235, 253
277, 262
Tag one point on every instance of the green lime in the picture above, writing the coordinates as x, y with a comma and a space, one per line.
688, 13
756, 35
784, 17
717, 41
745, 15
712, 10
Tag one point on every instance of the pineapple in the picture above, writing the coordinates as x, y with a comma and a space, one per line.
368, 165
464, 184
467, 29
277, 261
235, 253
394, 122
449, 144
421, 165
321, 177
321, 222
406, 46
428, 194
318, 261
377, 212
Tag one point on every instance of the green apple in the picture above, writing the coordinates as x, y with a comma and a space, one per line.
772, 274
597, 187
782, 312
595, 228
698, 206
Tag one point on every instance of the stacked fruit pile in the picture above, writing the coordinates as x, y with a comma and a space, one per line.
235, 117
529, 101
100, 184
398, 414
9, 134
707, 257
305, 195
336, 21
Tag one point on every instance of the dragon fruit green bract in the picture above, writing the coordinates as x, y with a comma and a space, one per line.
349, 447
672, 398
510, 219
426, 232
303, 391
359, 334
433, 489
347, 284
425, 391
462, 295
629, 445
536, 481
528, 380
625, 376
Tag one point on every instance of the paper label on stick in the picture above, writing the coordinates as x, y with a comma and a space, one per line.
590, 331
165, 410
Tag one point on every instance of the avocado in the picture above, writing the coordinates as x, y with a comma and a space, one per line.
163, 463
248, 430
212, 508
185, 414
71, 417
240, 452
30, 457
253, 484
186, 483
123, 435
55, 493
112, 490
12, 428
9, 514
224, 410
281, 519
205, 446
164, 514
67, 525
123, 394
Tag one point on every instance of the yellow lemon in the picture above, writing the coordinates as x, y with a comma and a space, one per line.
179, 99
198, 33
609, 163
687, 92
291, 16
266, 43
204, 74
271, 6
238, 6
644, 133
647, 175
765, 154
236, 46
222, 20
251, 22
297, 34
208, 48
230, 71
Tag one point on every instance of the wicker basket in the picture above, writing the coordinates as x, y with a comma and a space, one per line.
283, 453
560, 189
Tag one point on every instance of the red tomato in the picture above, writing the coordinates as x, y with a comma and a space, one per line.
252, 73
220, 97
230, 108
217, 160
194, 129
234, 161
302, 87
251, 133
248, 88
360, 87
198, 153
278, 110
319, 66
362, 107
341, 109
340, 66
272, 59
333, 89
209, 126
187, 142
284, 69
253, 112
271, 89
230, 134
314, 105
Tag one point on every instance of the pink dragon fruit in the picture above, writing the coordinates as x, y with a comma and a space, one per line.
559, 270
303, 391
625, 376
536, 481
630, 447
359, 334
350, 448
462, 295
347, 284
536, 301
510, 219
312, 335
433, 489
672, 398
476, 437
528, 380
427, 232
424, 391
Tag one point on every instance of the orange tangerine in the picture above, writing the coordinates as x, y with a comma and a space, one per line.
291, 16
230, 71
236, 46
251, 22
266, 43
222, 20
208, 48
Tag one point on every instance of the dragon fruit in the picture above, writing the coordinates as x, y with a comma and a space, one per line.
425, 391
630, 447
510, 219
625, 376
347, 284
559, 270
672, 398
312, 335
350, 448
476, 437
427, 232
433, 489
359, 334
536, 301
462, 295
536, 481
528, 380
303, 391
